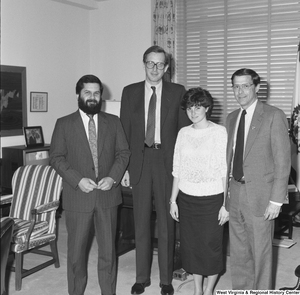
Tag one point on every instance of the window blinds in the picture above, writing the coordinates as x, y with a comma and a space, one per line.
214, 38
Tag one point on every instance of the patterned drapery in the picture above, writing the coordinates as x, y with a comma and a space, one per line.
164, 30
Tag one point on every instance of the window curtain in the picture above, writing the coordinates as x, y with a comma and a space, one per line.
164, 31
214, 38
295, 127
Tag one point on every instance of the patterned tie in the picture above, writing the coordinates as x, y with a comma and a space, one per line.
149, 140
93, 142
237, 171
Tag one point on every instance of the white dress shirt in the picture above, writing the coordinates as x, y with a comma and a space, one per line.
248, 120
85, 119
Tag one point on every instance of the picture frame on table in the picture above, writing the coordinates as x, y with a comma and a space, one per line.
34, 136
38, 101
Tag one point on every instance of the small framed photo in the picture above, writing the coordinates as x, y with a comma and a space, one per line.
38, 101
34, 136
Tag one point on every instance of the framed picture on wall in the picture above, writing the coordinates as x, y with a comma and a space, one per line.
38, 101
34, 136
13, 110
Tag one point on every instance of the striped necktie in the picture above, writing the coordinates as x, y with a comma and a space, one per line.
93, 142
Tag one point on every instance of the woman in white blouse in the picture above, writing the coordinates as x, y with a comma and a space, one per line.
197, 200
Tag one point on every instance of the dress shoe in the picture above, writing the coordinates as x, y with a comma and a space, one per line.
167, 289
139, 288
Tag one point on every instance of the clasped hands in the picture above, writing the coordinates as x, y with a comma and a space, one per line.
87, 185
126, 179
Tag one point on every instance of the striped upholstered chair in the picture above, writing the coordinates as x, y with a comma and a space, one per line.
36, 191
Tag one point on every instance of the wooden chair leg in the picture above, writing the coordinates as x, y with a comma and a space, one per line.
54, 251
18, 270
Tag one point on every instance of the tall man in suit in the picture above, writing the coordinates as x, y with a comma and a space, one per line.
90, 152
151, 133
258, 157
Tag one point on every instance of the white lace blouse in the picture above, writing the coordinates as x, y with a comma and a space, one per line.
200, 160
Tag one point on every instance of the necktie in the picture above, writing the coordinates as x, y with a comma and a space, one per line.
237, 171
149, 140
93, 142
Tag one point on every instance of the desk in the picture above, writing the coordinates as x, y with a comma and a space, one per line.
285, 220
5, 204
125, 227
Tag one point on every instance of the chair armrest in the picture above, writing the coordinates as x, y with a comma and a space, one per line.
6, 199
45, 207
38, 210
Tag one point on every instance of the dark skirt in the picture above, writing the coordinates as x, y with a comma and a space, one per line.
201, 236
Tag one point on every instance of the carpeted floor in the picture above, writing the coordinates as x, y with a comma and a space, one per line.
53, 280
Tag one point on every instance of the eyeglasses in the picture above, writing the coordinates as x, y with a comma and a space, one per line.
151, 65
242, 86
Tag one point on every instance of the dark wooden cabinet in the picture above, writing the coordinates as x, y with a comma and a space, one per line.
125, 240
125, 228
15, 156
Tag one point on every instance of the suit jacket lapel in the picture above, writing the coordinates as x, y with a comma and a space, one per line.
102, 129
166, 97
231, 132
79, 128
139, 107
254, 127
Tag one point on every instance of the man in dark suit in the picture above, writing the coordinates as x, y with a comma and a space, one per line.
259, 163
90, 152
151, 133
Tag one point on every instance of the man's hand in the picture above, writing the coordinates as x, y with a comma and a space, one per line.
126, 180
272, 211
105, 183
87, 185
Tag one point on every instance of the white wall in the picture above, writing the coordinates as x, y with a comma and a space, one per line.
120, 34
58, 43
52, 41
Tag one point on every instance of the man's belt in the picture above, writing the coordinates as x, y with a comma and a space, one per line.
156, 146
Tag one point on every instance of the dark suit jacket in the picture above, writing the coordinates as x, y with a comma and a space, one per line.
267, 157
133, 119
71, 157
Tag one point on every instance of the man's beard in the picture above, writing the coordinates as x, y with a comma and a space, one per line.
90, 106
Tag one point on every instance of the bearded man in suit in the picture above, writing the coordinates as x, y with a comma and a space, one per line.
259, 163
90, 152
151, 116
